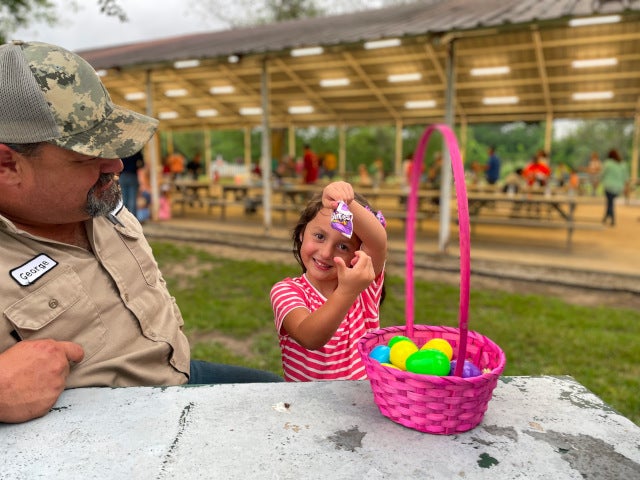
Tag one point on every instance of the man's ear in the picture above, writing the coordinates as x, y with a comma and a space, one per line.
8, 164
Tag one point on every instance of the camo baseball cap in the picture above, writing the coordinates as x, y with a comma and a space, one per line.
49, 94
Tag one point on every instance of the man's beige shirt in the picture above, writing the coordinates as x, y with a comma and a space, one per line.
112, 301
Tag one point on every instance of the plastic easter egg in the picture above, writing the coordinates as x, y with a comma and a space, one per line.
468, 369
428, 362
400, 351
439, 344
396, 339
380, 353
390, 365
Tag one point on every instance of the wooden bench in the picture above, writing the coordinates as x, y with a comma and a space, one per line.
541, 222
221, 203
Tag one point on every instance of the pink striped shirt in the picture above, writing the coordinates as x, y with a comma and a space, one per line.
339, 358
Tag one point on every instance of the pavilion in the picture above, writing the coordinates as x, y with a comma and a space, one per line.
454, 61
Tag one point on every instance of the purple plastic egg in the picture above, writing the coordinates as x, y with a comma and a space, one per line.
468, 369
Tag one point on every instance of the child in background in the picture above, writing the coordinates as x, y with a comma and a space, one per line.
321, 315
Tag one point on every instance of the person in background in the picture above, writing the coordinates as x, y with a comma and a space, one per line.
176, 163
537, 171
364, 178
594, 170
435, 171
321, 315
129, 181
330, 164
377, 172
311, 166
491, 169
195, 167
514, 182
84, 303
615, 179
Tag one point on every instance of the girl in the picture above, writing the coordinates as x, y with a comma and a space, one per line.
321, 315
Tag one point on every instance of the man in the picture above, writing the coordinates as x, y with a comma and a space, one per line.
492, 167
83, 301
129, 181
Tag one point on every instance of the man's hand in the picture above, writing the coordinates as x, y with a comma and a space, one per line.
32, 376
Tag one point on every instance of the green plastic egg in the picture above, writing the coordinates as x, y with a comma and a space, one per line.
428, 362
397, 338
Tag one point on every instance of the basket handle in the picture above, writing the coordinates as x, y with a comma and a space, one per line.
463, 222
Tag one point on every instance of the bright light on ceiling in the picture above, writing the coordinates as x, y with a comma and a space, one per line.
300, 109
207, 112
510, 100
592, 95
250, 111
334, 82
386, 43
176, 92
135, 96
582, 22
420, 104
221, 89
170, 115
594, 62
303, 52
490, 71
186, 64
404, 77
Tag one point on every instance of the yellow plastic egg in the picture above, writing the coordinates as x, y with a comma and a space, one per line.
400, 351
389, 365
439, 344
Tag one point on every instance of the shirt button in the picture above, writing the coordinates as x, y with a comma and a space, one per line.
53, 303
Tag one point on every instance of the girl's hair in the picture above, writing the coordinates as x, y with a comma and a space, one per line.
309, 213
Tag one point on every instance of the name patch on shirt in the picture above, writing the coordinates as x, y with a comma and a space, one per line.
33, 270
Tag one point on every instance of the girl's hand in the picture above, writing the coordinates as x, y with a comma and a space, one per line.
355, 278
336, 191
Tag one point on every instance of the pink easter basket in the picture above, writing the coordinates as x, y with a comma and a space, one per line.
428, 403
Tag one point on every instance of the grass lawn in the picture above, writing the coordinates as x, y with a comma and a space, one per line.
228, 318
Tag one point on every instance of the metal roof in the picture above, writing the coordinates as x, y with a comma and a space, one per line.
531, 37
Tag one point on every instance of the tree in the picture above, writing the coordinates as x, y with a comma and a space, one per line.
16, 14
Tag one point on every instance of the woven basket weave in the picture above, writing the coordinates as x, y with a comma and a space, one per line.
427, 403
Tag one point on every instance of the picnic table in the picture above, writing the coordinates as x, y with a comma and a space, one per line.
527, 210
535, 428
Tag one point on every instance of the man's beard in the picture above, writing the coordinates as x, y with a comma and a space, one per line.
99, 204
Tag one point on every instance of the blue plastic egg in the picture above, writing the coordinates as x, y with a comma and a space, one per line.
380, 353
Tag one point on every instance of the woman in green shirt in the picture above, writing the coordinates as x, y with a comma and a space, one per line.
615, 176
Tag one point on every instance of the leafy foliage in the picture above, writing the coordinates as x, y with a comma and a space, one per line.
15, 14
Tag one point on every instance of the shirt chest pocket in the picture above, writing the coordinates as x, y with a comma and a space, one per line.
60, 309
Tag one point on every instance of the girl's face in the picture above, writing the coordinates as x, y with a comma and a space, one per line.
320, 245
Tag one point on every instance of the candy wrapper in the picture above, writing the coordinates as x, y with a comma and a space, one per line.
342, 220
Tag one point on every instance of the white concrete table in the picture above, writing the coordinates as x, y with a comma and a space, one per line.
535, 428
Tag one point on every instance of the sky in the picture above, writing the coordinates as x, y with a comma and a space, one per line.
87, 28
148, 20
